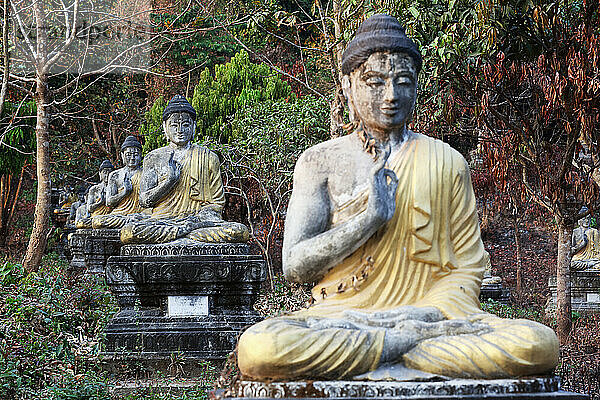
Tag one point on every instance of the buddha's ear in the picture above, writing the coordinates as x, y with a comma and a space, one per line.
347, 90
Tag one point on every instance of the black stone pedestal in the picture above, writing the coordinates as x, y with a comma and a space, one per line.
91, 248
496, 292
585, 292
474, 389
190, 299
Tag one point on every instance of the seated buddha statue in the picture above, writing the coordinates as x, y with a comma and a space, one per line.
123, 189
384, 220
181, 185
585, 245
96, 200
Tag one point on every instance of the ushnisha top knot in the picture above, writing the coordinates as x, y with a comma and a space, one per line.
179, 104
131, 141
380, 32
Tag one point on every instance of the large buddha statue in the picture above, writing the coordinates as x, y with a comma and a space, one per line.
123, 189
585, 246
384, 220
181, 184
96, 199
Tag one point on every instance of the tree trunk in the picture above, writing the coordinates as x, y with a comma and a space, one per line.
518, 254
563, 282
5, 55
38, 239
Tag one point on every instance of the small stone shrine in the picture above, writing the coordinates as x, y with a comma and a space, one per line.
492, 287
585, 269
184, 279
384, 221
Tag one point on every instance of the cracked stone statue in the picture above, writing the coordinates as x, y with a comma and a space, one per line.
586, 245
123, 189
181, 185
96, 199
384, 220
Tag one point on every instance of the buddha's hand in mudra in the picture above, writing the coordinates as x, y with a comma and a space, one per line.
406, 326
173, 170
390, 318
382, 192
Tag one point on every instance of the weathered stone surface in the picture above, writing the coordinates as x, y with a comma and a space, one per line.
141, 335
525, 388
225, 276
585, 292
91, 248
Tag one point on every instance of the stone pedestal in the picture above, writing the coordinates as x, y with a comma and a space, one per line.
496, 292
585, 292
91, 248
498, 389
190, 298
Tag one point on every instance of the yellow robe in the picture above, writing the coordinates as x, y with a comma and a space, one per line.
429, 254
129, 205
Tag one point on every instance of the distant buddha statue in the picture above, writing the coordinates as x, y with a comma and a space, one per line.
398, 272
181, 184
123, 189
96, 199
585, 246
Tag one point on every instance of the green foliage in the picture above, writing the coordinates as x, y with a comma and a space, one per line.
151, 128
21, 136
50, 323
235, 85
273, 134
512, 311
202, 45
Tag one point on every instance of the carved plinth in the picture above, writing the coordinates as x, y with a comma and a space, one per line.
524, 388
191, 298
585, 292
496, 292
91, 248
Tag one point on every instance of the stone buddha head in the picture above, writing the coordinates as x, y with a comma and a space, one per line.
380, 68
179, 121
131, 152
586, 221
105, 169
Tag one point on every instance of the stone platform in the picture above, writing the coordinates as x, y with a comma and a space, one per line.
91, 248
496, 292
498, 389
189, 298
585, 292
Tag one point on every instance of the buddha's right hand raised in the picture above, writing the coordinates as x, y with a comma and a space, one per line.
382, 194
174, 170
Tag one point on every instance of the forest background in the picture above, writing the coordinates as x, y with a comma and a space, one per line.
512, 84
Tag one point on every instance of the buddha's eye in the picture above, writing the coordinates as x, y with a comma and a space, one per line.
403, 80
374, 81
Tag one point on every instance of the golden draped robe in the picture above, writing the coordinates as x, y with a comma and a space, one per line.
589, 256
85, 222
196, 200
429, 254
121, 214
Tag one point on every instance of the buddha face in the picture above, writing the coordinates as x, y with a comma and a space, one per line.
585, 222
104, 172
131, 156
382, 91
179, 128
